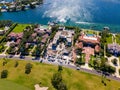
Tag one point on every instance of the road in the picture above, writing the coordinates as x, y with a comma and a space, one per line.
94, 72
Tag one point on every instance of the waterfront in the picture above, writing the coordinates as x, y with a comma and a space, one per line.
86, 14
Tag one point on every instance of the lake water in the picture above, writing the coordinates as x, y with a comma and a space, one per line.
93, 14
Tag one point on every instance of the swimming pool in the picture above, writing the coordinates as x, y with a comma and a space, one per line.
90, 35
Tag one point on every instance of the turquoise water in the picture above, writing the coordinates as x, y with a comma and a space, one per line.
94, 14
90, 35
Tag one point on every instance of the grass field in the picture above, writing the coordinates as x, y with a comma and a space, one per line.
109, 39
118, 38
6, 85
19, 28
74, 79
88, 31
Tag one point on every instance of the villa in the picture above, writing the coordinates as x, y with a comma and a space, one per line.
89, 43
2, 32
65, 36
60, 47
89, 38
114, 49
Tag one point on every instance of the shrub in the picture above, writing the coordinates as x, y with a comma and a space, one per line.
119, 71
57, 82
114, 61
16, 64
56, 79
60, 68
28, 68
4, 62
62, 86
4, 74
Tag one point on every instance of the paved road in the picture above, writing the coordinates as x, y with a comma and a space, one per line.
68, 66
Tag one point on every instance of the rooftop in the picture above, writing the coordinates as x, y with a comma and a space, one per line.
89, 38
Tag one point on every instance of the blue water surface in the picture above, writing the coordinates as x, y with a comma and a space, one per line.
94, 14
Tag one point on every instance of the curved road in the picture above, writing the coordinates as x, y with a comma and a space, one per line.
68, 66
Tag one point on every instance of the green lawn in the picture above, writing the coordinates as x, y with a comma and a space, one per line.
9, 85
74, 79
19, 28
88, 31
109, 39
118, 38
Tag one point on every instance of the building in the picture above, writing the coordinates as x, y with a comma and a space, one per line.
114, 49
63, 36
89, 39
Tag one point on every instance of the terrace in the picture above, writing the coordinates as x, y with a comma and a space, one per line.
89, 38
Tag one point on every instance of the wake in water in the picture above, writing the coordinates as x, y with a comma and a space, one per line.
73, 10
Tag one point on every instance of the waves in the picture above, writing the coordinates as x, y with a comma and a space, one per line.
73, 10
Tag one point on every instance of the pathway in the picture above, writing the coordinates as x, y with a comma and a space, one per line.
117, 67
33, 49
8, 45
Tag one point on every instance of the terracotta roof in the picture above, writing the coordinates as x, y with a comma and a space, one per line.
97, 48
45, 36
95, 40
34, 35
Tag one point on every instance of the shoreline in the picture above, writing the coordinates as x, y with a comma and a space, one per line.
99, 27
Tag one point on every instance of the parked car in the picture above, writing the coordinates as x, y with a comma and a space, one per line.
77, 68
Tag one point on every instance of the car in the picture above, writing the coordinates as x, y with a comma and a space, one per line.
22, 57
33, 58
77, 68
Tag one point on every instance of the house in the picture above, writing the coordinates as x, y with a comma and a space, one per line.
14, 36
89, 39
63, 35
2, 32
114, 49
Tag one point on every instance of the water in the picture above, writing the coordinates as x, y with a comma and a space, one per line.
93, 14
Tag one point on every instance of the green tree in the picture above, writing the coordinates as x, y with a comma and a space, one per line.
119, 71
62, 86
114, 61
16, 64
4, 62
4, 74
28, 68
80, 61
60, 68
56, 80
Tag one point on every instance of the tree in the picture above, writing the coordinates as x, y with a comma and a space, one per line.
62, 86
56, 80
28, 68
96, 64
79, 61
119, 71
4, 62
79, 51
60, 68
114, 61
4, 74
16, 64
108, 68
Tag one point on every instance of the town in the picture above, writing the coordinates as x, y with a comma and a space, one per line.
17, 5
62, 45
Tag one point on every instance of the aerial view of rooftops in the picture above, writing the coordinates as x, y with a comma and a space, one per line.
59, 45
